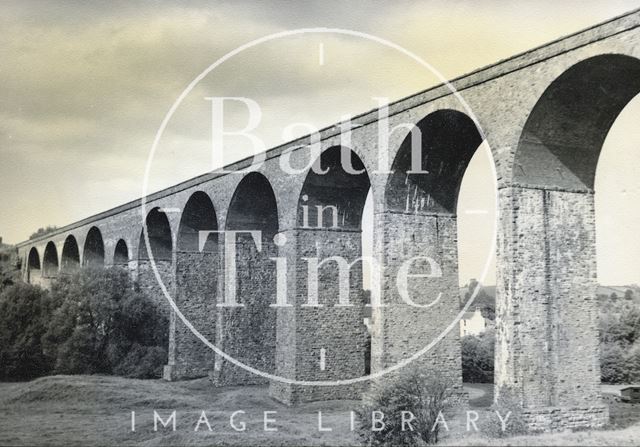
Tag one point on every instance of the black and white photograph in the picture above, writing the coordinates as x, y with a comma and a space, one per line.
319, 223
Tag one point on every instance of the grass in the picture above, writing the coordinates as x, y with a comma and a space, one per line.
96, 410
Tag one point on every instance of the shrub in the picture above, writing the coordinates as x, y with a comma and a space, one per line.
477, 357
510, 409
101, 324
426, 397
613, 363
24, 317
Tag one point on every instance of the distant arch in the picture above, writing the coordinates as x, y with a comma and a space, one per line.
158, 229
70, 260
121, 253
198, 215
50, 265
253, 206
33, 263
93, 253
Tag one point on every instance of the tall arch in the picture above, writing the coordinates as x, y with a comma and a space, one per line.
252, 208
33, 266
121, 253
158, 229
197, 280
546, 296
419, 232
50, 261
70, 259
93, 253
328, 225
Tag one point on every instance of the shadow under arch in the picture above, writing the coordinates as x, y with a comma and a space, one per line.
33, 265
50, 262
70, 259
121, 253
93, 252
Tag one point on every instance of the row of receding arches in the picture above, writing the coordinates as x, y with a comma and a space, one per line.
69, 261
253, 205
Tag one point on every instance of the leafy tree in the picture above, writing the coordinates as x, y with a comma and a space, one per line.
613, 364
42, 231
477, 357
101, 324
24, 318
425, 396
628, 295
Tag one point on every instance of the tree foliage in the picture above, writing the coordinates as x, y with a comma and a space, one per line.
425, 397
94, 321
24, 311
477, 357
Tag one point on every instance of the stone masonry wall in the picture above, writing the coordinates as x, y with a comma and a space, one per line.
248, 333
547, 344
196, 291
149, 284
401, 330
340, 331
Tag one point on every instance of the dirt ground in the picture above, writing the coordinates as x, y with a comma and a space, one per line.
84, 410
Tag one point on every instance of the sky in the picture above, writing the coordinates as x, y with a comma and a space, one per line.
85, 85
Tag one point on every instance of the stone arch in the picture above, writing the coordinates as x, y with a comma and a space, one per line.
249, 331
33, 265
448, 140
50, 265
253, 206
344, 192
197, 280
547, 288
419, 229
93, 252
562, 137
121, 253
70, 259
198, 215
160, 237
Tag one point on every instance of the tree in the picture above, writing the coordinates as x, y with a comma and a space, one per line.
24, 319
101, 324
477, 357
426, 397
628, 295
42, 231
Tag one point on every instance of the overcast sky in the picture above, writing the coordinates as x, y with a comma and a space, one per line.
84, 86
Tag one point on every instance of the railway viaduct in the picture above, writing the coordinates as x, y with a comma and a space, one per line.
544, 113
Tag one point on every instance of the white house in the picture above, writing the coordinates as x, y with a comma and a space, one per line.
472, 323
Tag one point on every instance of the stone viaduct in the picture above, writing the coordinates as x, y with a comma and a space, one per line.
545, 114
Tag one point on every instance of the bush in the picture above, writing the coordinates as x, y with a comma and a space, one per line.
426, 397
510, 409
477, 357
101, 324
24, 318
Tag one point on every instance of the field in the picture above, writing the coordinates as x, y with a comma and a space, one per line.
82, 410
